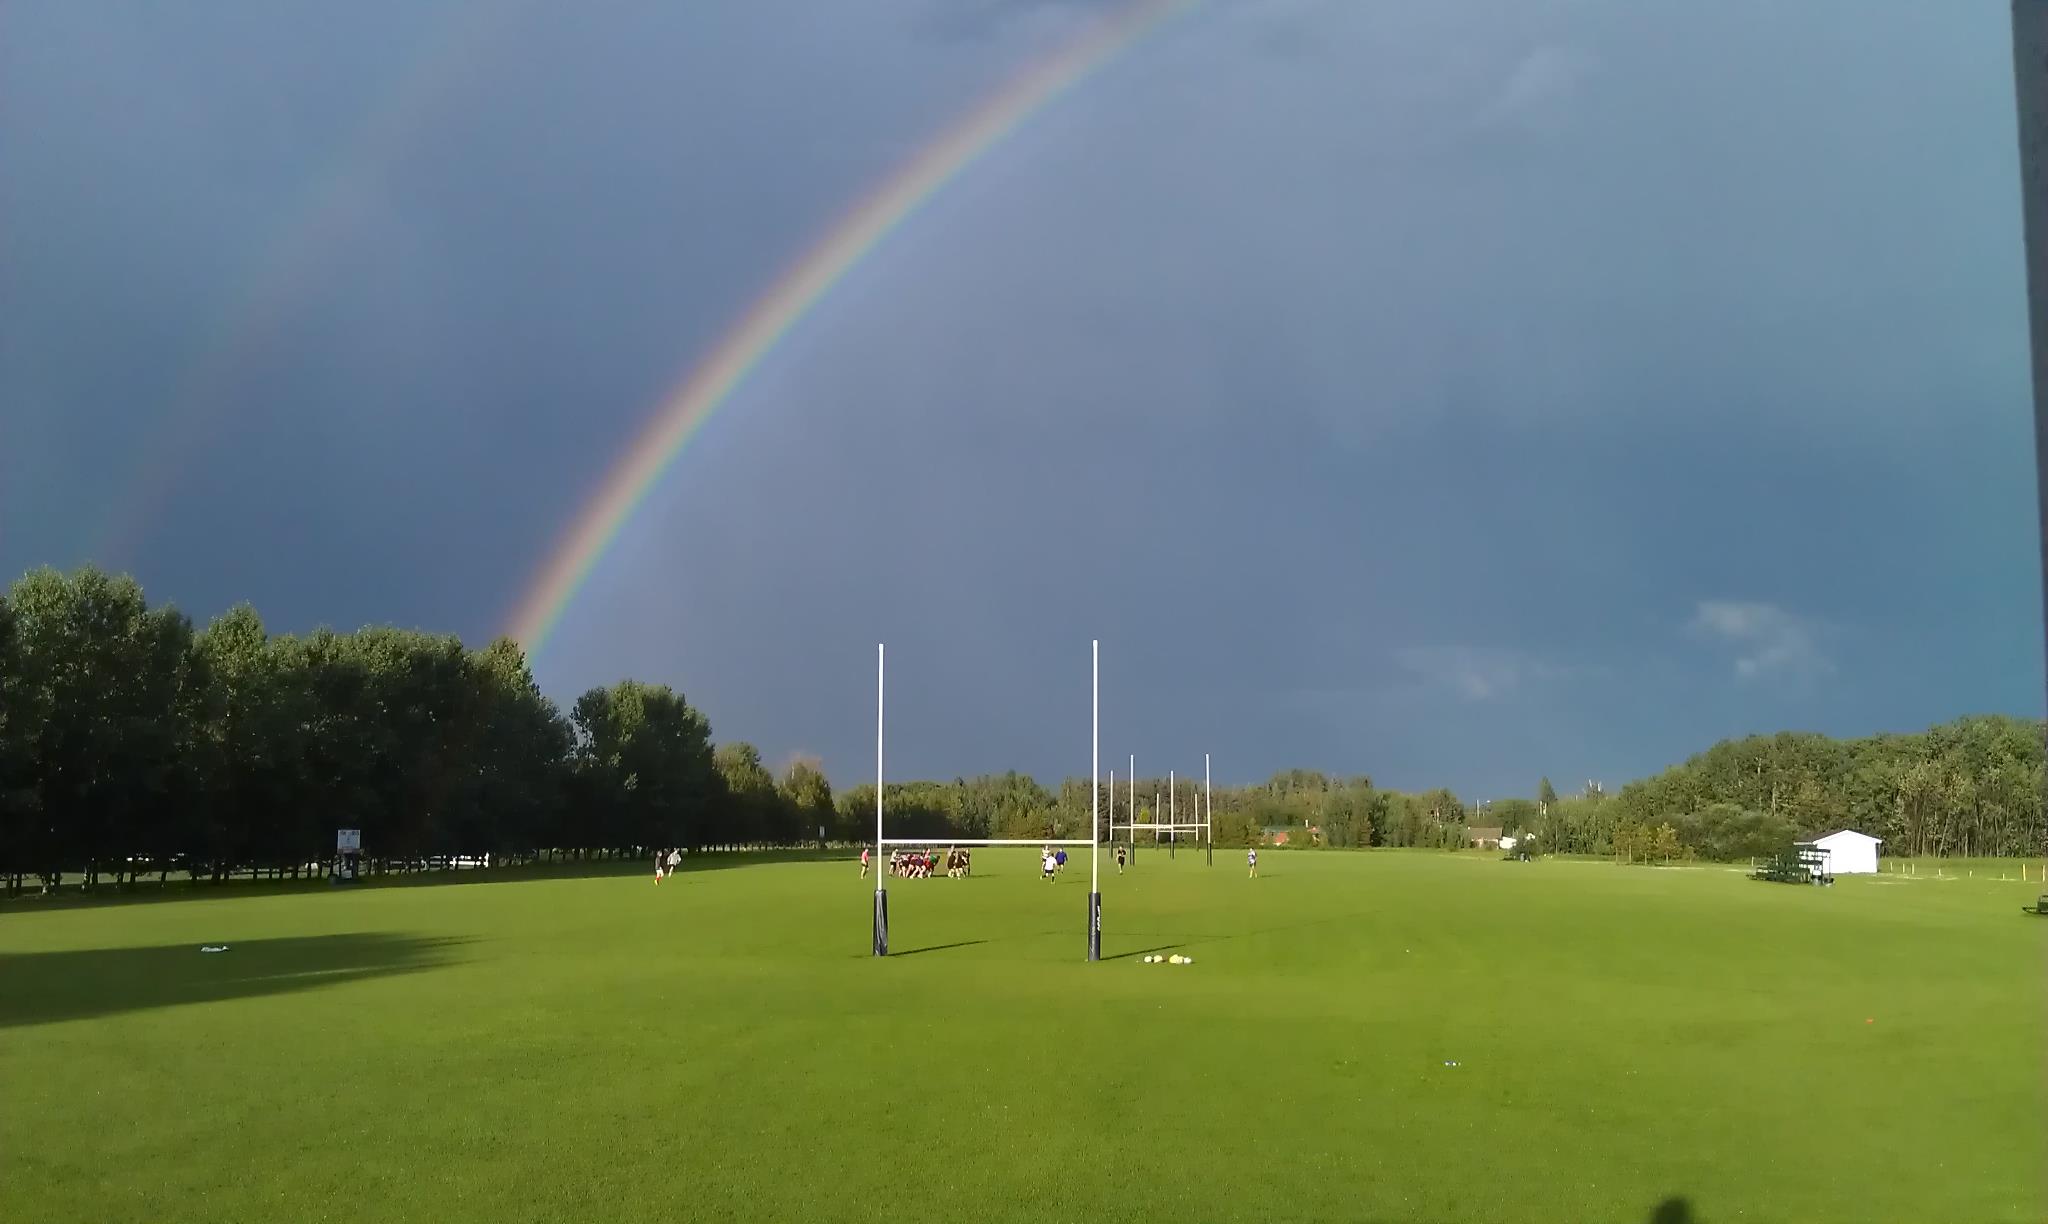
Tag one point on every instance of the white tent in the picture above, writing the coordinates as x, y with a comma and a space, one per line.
1849, 852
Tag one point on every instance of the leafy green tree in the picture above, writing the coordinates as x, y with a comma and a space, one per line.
128, 743
257, 746
339, 780
807, 793
753, 812
1629, 840
419, 717
855, 809
1347, 815
739, 763
1237, 829
1724, 832
644, 760
101, 683
520, 744
1964, 787
1514, 815
20, 830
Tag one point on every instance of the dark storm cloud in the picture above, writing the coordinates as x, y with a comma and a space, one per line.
1449, 392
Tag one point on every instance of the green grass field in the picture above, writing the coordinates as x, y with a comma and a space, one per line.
721, 1047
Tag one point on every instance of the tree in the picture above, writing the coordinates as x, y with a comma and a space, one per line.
1513, 815
101, 682
19, 827
1347, 815
753, 811
1629, 840
643, 758
739, 763
807, 793
414, 708
339, 782
130, 743
1237, 829
257, 745
1964, 787
520, 744
855, 809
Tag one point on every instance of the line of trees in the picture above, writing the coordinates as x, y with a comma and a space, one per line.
133, 744
1311, 808
1972, 787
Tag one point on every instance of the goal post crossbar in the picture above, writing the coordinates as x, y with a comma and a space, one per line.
882, 842
985, 841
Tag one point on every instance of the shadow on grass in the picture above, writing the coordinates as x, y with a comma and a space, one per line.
150, 890
1674, 1210
47, 987
964, 943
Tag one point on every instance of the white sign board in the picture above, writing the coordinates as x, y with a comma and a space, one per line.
348, 841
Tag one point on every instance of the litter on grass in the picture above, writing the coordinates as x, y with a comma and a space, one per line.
214, 948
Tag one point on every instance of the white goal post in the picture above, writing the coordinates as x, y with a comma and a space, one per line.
1201, 831
1092, 841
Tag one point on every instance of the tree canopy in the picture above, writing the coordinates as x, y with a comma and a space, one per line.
131, 743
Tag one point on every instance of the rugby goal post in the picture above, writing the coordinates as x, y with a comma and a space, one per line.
883, 842
1173, 829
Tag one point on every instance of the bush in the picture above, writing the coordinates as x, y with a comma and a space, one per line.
1726, 833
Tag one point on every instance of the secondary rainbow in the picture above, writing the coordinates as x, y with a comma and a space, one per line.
635, 474
291, 267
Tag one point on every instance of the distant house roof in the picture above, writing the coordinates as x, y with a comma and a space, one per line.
1851, 832
1492, 834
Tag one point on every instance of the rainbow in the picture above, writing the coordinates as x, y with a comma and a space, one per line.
749, 340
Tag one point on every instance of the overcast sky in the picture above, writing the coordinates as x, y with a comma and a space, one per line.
1454, 391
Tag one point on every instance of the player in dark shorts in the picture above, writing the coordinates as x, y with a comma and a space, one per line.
1120, 854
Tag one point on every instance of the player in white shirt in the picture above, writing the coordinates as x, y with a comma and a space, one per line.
1251, 859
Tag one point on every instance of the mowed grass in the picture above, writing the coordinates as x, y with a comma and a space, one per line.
721, 1047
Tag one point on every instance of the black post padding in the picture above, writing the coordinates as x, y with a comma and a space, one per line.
1095, 926
1173, 845
881, 922
1212, 854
